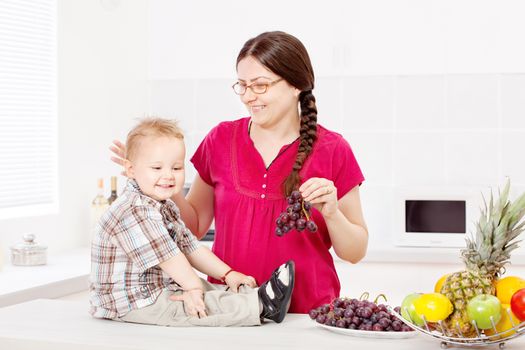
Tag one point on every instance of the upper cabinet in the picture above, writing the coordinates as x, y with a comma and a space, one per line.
201, 39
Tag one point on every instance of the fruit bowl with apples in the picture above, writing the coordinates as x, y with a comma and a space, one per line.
492, 322
477, 306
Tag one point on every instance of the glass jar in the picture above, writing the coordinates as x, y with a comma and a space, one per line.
28, 252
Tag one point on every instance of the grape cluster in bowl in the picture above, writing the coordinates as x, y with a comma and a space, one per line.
358, 314
297, 216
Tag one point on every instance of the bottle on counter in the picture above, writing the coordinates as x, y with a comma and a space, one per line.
98, 206
113, 195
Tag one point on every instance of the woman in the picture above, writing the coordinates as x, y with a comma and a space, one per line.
247, 167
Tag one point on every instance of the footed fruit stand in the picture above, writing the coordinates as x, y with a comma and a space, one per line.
447, 339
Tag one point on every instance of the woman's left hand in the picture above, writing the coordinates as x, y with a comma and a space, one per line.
322, 194
234, 279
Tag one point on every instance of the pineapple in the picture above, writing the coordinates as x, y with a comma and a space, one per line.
485, 258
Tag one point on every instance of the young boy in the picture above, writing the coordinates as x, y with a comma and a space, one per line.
142, 256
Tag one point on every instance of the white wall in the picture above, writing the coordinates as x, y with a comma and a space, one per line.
102, 86
442, 82
200, 39
428, 93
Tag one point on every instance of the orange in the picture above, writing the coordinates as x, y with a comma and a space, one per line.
440, 282
507, 286
505, 325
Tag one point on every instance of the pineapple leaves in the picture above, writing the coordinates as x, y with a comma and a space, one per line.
499, 224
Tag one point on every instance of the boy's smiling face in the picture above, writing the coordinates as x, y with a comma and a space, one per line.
158, 166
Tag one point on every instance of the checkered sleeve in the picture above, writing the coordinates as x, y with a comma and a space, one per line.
186, 240
142, 235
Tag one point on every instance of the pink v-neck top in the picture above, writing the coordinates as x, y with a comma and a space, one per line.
248, 199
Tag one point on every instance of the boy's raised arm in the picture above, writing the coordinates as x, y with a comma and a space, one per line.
208, 263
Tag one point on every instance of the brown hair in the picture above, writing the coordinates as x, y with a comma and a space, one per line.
287, 57
151, 127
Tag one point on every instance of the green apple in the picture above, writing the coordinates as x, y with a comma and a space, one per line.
408, 310
481, 308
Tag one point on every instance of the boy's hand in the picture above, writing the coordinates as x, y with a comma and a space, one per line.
234, 279
193, 300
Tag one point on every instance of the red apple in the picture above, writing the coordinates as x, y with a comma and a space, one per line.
481, 308
517, 304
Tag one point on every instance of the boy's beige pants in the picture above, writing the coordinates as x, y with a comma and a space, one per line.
224, 308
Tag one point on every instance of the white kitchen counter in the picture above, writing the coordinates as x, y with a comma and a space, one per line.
395, 272
64, 274
60, 325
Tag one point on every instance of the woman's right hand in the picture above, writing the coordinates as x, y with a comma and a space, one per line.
119, 151
193, 300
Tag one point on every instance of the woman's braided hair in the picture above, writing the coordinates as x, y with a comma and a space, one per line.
287, 57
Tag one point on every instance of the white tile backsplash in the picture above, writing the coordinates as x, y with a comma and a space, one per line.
421, 130
368, 103
472, 158
513, 156
373, 151
216, 102
174, 99
420, 102
513, 101
328, 102
193, 140
377, 203
472, 101
418, 159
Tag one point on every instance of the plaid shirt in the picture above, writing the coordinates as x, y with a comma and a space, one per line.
133, 237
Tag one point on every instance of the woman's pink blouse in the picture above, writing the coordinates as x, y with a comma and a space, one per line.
248, 199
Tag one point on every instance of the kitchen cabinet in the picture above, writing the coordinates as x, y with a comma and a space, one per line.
374, 37
192, 40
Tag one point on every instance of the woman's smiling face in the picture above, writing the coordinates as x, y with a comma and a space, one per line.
280, 99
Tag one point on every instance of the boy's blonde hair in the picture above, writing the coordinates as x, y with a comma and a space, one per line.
151, 127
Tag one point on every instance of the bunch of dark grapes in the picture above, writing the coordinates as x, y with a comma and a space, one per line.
296, 217
358, 314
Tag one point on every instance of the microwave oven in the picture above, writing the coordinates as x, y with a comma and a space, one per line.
435, 216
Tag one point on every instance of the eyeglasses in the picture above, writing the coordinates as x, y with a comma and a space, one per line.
257, 88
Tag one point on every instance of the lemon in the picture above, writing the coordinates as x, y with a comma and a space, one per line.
505, 325
440, 282
433, 306
507, 286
